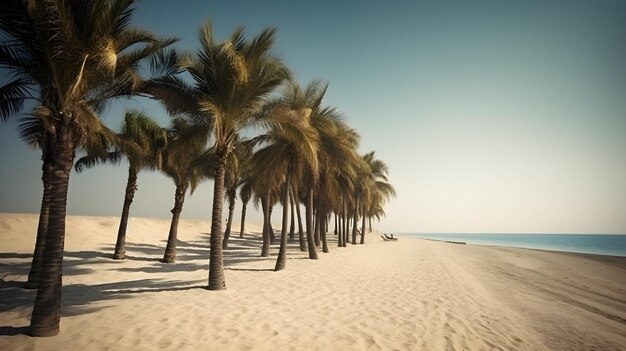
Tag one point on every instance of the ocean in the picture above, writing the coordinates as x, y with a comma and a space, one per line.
613, 245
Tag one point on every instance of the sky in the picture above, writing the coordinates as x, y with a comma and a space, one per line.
492, 116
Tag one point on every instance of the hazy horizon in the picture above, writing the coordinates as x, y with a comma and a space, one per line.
493, 117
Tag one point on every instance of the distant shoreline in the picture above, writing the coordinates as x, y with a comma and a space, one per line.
612, 245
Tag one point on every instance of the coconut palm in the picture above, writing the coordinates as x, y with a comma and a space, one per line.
140, 142
245, 193
339, 162
374, 188
336, 150
265, 188
68, 57
307, 102
230, 80
290, 142
32, 132
186, 162
237, 165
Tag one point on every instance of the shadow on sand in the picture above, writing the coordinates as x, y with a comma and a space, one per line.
81, 299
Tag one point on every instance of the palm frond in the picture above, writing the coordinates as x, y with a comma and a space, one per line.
12, 98
31, 131
91, 160
176, 95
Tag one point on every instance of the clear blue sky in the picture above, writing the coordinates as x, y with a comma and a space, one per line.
493, 116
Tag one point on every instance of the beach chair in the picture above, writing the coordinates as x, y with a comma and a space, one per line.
388, 238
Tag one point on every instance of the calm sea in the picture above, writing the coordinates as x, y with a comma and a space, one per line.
614, 245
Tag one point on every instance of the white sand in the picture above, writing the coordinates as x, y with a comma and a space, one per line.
406, 295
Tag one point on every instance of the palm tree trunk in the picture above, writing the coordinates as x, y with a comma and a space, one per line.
42, 227
243, 219
370, 223
232, 197
292, 225
346, 225
131, 187
301, 240
322, 220
282, 252
47, 309
179, 199
316, 228
265, 248
217, 280
335, 216
355, 222
308, 209
363, 226
269, 224
339, 231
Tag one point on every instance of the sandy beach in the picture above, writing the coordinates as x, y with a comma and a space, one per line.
409, 294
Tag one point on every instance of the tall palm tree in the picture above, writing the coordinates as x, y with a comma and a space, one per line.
70, 58
264, 186
32, 132
374, 187
290, 142
308, 101
140, 142
339, 162
237, 165
230, 80
183, 159
245, 193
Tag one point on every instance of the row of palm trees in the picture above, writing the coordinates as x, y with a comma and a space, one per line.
72, 58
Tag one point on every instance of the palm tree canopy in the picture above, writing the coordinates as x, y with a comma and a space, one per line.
232, 78
373, 185
185, 144
140, 142
70, 57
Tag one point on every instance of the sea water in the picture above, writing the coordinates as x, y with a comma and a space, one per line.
613, 245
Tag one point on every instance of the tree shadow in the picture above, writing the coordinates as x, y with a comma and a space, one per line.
140, 259
11, 331
159, 267
79, 299
249, 269
185, 250
15, 255
88, 254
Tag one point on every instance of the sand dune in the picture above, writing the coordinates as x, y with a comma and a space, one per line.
406, 295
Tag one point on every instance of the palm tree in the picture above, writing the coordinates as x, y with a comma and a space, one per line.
140, 141
264, 186
307, 102
339, 162
245, 193
374, 188
32, 132
238, 164
290, 142
183, 159
230, 80
69, 57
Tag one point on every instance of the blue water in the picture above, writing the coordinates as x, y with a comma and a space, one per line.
613, 245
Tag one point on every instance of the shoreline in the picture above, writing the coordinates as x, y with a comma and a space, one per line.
413, 294
416, 236
585, 254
